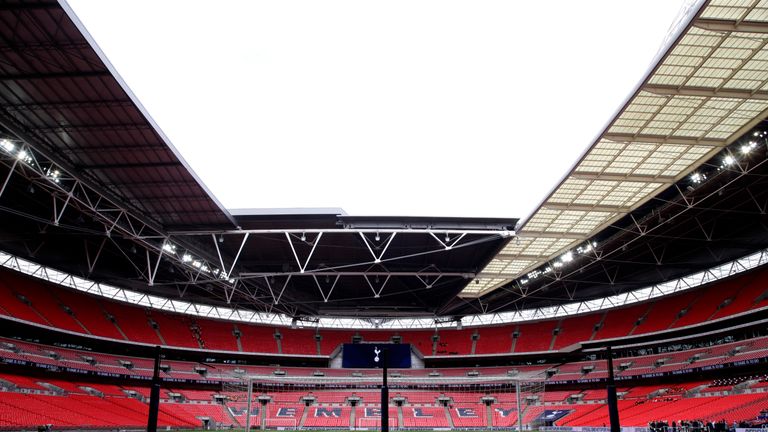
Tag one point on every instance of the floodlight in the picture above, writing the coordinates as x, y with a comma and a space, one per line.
746, 148
7, 145
697, 177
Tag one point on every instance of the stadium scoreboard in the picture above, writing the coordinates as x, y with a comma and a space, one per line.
370, 355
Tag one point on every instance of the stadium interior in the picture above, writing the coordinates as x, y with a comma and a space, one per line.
650, 255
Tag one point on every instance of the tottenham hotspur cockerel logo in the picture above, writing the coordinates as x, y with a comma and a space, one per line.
376, 351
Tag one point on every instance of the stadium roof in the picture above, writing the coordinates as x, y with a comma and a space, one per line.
59, 92
120, 205
92, 187
706, 90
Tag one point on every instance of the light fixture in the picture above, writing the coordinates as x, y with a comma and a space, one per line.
303, 237
378, 238
697, 177
221, 238
7, 145
24, 156
567, 257
748, 147
728, 160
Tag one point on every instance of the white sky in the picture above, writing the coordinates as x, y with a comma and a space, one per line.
397, 107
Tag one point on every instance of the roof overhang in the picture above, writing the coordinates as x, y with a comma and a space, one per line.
704, 91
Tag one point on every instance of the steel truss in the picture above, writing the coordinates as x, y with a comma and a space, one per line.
70, 193
191, 265
376, 275
556, 270
740, 265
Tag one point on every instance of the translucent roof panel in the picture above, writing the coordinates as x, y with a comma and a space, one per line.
708, 88
507, 266
482, 285
566, 221
539, 247
604, 193
639, 160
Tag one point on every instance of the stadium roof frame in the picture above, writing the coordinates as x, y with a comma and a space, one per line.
705, 89
694, 280
73, 129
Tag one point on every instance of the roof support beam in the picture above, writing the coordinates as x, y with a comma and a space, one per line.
355, 231
670, 90
514, 256
94, 127
53, 75
661, 139
731, 25
555, 235
45, 46
73, 104
585, 207
98, 167
506, 276
586, 175
418, 274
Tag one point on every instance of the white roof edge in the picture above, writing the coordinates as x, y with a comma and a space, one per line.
739, 265
678, 27
92, 42
334, 211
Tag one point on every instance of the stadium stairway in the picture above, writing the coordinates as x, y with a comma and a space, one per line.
449, 417
304, 415
237, 339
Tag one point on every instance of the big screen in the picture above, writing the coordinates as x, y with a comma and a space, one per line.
370, 355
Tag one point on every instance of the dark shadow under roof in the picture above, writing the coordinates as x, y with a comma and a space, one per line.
59, 94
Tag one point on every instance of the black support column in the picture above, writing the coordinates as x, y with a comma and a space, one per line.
613, 406
154, 394
384, 392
